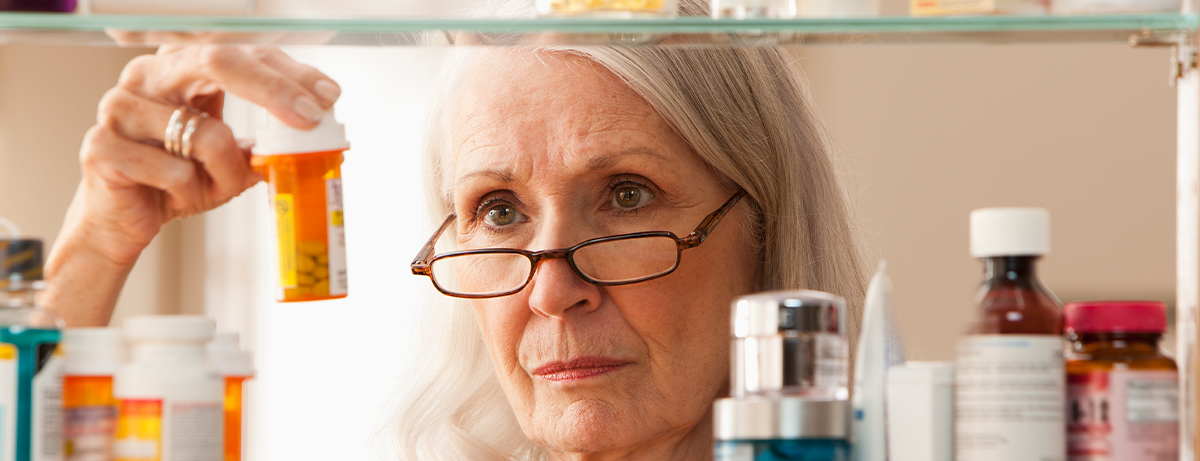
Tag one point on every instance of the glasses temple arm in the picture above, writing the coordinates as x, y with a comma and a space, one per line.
710, 222
420, 264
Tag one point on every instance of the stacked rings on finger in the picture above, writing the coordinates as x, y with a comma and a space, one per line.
180, 128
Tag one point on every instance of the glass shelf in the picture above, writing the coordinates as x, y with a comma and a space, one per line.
47, 28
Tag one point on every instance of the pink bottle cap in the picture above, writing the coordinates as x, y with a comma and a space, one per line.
1115, 316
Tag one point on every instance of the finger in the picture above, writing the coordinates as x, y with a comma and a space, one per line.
316, 81
218, 151
134, 117
125, 163
213, 145
178, 76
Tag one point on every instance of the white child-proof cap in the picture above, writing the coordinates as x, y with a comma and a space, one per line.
168, 329
226, 356
93, 351
277, 138
1010, 232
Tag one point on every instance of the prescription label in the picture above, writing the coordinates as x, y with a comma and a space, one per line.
338, 280
1123, 415
139, 428
89, 417
285, 227
151, 430
47, 403
1010, 398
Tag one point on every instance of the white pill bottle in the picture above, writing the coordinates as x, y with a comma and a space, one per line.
170, 403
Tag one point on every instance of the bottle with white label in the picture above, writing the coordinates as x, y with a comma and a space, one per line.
30, 360
1010, 394
170, 402
1123, 391
92, 356
303, 170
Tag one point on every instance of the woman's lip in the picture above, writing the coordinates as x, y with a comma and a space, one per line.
580, 368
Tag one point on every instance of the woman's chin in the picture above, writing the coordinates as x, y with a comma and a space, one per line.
588, 426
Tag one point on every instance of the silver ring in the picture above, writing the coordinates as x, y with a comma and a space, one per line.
185, 141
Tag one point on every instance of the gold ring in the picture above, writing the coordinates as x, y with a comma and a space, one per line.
185, 141
173, 138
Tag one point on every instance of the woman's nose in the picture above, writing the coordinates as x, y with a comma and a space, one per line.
557, 291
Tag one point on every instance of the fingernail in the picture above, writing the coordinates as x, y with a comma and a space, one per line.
308, 109
327, 90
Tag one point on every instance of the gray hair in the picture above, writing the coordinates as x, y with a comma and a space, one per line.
747, 113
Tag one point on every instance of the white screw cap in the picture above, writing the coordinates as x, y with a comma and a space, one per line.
1010, 232
277, 138
169, 328
93, 351
225, 355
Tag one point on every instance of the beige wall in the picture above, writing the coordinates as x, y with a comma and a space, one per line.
48, 97
927, 133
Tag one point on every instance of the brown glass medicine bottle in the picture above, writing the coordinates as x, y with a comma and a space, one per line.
1122, 391
1010, 387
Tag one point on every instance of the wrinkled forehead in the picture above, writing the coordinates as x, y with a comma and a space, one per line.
514, 105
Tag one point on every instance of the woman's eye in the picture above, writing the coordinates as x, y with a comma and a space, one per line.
502, 215
629, 197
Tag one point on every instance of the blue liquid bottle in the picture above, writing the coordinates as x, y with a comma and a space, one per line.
789, 381
30, 362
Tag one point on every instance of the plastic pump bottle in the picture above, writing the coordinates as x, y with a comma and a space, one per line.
30, 361
92, 357
226, 356
304, 180
170, 403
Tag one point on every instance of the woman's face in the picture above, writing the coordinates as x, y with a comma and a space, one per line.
551, 150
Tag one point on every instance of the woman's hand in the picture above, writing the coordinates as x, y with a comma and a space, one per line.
132, 186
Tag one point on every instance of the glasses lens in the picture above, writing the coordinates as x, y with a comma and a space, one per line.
482, 273
627, 260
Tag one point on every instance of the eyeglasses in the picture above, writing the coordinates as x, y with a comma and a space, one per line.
605, 261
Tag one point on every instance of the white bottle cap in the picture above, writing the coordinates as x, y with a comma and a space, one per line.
227, 357
168, 329
92, 351
277, 138
1010, 232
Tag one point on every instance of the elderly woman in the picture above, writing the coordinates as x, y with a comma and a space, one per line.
570, 345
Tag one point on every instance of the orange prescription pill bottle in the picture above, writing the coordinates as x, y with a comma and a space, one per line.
91, 357
226, 356
304, 181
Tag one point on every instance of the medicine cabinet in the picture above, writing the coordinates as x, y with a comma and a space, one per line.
1177, 31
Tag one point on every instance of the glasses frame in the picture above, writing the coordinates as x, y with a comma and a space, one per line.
422, 264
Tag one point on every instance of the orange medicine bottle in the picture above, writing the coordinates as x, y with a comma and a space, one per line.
1122, 391
303, 169
92, 357
226, 356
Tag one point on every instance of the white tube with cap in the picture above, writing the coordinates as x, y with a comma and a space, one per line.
879, 348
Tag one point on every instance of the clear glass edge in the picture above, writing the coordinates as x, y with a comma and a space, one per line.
883, 24
149, 30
